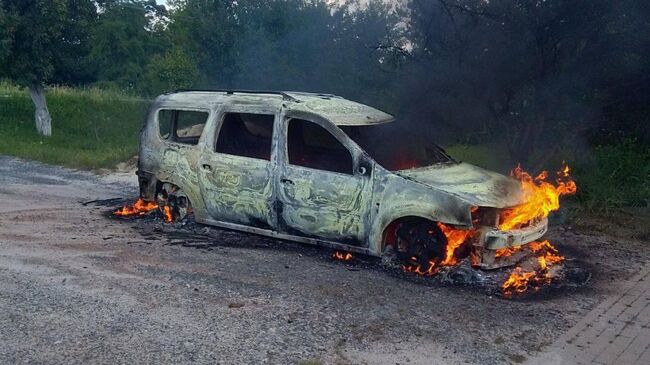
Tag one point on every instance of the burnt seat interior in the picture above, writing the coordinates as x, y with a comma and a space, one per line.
312, 146
247, 135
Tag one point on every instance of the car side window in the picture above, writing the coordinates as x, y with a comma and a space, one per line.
247, 135
181, 126
310, 145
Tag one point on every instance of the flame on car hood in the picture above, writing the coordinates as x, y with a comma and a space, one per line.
471, 183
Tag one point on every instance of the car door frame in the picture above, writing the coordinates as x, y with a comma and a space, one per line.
182, 156
208, 151
363, 168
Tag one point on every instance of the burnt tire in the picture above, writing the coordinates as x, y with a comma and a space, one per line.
175, 200
420, 242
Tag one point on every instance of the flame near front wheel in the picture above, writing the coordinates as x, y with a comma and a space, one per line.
542, 197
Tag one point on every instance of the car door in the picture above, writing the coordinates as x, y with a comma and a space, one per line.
180, 131
323, 192
237, 166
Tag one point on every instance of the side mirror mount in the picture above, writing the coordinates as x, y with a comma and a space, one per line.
364, 169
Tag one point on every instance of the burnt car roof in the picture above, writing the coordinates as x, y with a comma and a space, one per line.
335, 108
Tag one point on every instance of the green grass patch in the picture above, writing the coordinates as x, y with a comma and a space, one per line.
614, 176
91, 128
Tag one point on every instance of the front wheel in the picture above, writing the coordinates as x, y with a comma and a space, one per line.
420, 243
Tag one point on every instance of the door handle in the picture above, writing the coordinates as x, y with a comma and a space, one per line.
286, 181
206, 167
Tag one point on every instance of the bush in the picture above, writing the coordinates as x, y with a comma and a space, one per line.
614, 176
174, 70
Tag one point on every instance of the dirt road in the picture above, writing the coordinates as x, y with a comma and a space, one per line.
78, 287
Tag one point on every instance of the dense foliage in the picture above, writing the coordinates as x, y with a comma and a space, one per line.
45, 40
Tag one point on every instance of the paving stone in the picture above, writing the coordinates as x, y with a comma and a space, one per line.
613, 350
616, 332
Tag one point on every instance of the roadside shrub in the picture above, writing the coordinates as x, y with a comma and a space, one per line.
173, 70
614, 176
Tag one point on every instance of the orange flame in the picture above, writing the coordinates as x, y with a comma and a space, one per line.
507, 251
430, 270
343, 256
537, 246
518, 282
542, 197
167, 212
549, 257
455, 238
521, 281
139, 208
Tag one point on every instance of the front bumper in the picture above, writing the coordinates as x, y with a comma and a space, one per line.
492, 240
496, 239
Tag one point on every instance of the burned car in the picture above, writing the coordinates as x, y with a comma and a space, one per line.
296, 166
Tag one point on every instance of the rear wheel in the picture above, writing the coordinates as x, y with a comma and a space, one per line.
173, 202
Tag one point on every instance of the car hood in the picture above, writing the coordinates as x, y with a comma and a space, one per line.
471, 183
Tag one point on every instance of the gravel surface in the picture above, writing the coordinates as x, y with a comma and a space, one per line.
79, 287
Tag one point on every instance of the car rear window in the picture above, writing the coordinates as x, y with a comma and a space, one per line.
181, 126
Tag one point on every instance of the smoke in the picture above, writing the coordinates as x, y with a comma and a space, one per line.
462, 72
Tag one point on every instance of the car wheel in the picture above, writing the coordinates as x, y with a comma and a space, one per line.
173, 202
420, 242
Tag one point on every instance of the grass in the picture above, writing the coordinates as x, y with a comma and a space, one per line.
615, 176
91, 128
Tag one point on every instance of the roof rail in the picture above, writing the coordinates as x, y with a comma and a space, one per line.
284, 95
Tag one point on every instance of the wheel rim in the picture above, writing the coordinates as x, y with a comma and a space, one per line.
174, 200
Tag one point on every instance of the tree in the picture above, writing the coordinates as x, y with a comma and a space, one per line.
124, 40
309, 45
173, 70
39, 37
205, 30
529, 69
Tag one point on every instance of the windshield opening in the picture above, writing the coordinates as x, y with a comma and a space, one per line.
395, 148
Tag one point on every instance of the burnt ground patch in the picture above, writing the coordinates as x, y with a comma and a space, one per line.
574, 273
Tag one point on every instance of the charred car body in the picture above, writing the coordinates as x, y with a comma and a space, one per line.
293, 166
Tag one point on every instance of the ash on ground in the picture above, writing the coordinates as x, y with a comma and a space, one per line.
568, 275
